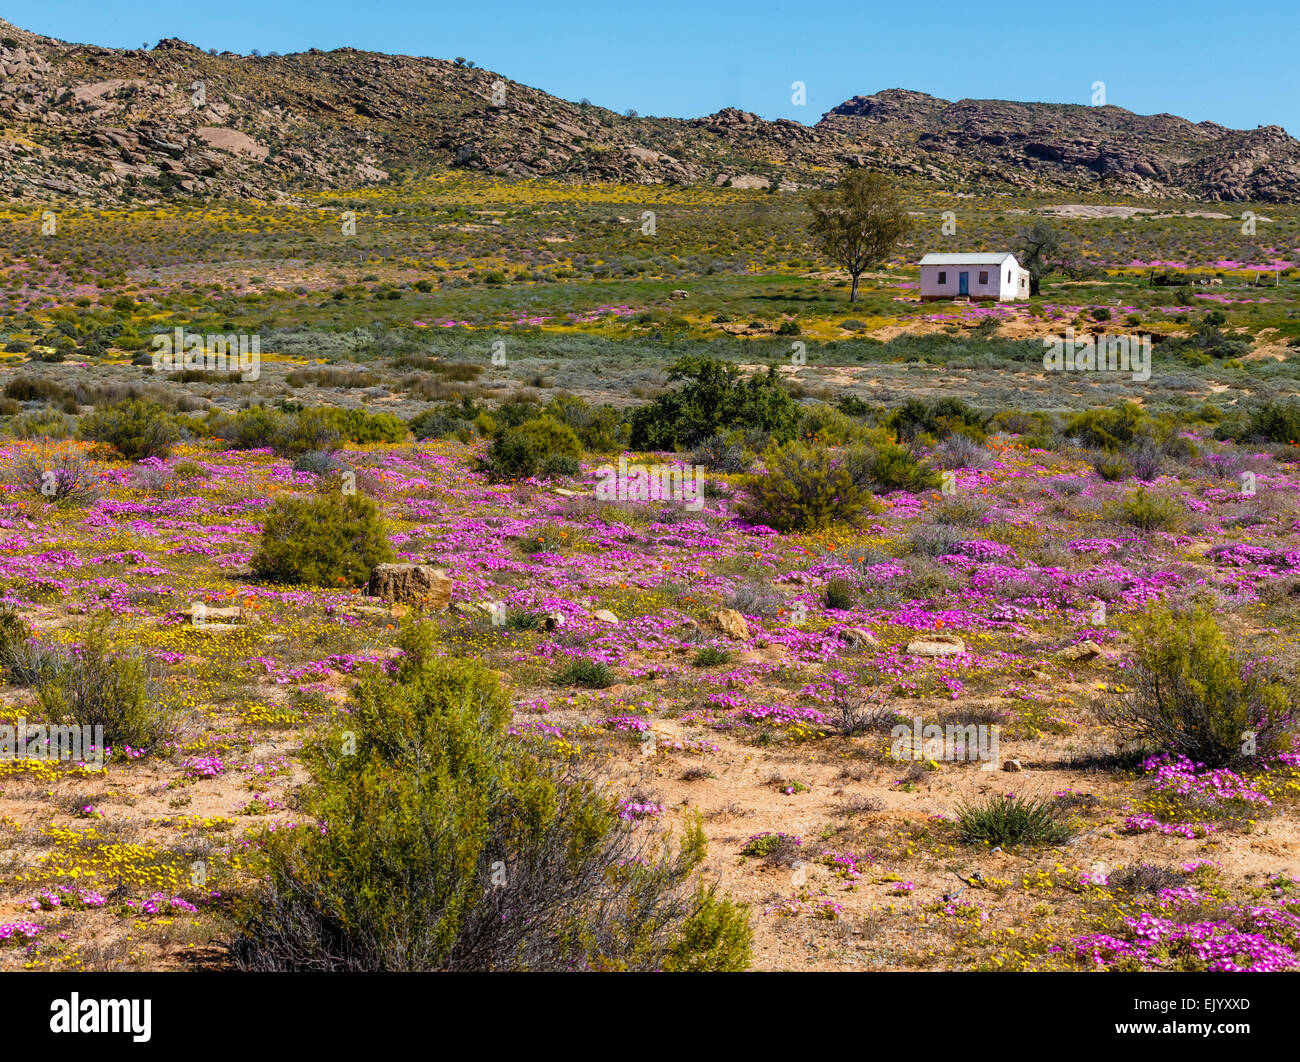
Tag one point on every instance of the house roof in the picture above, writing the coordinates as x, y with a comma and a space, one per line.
967, 259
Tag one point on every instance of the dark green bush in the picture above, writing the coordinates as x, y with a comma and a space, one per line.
940, 419
590, 674
523, 451
805, 488
452, 846
1190, 693
1009, 819
1107, 429
324, 540
890, 467
713, 398
96, 686
840, 594
136, 429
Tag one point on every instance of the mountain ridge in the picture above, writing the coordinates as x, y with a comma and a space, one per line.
103, 124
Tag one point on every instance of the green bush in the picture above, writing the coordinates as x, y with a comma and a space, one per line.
14, 634
1111, 467
1189, 693
47, 423
1111, 428
1009, 819
323, 540
829, 426
1275, 422
98, 687
600, 429
711, 656
452, 846
940, 419
713, 399
523, 451
590, 674
1147, 511
317, 428
440, 421
136, 429
255, 428
804, 489
840, 595
890, 467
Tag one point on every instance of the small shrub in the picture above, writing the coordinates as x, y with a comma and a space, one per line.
317, 462
1147, 511
59, 476
711, 656
97, 687
589, 674
522, 451
723, 453
324, 540
136, 429
47, 423
437, 799
1190, 694
804, 489
891, 467
840, 595
1110, 466
713, 398
1010, 819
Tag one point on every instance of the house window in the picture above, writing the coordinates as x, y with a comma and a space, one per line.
984, 276
1008, 276
943, 277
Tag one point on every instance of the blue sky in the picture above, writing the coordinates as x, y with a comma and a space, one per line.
1231, 63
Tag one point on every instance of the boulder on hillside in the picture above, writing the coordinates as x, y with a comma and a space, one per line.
732, 624
411, 584
936, 645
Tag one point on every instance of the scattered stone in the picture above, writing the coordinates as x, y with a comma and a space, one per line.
553, 620
605, 616
678, 293
411, 584
856, 637
732, 624
936, 645
233, 613
1012, 766
1074, 654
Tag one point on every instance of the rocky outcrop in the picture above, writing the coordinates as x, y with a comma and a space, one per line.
412, 584
172, 121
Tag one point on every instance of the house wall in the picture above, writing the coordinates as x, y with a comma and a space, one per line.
950, 288
998, 286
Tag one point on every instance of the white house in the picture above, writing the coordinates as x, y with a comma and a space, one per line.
979, 276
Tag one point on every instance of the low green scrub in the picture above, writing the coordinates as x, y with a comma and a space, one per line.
452, 846
329, 539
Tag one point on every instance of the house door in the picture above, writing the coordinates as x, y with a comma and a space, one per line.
963, 283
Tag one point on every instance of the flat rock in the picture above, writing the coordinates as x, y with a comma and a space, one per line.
605, 616
732, 624
1086, 650
411, 584
858, 636
936, 645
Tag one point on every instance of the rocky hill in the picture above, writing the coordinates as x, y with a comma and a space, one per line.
105, 124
